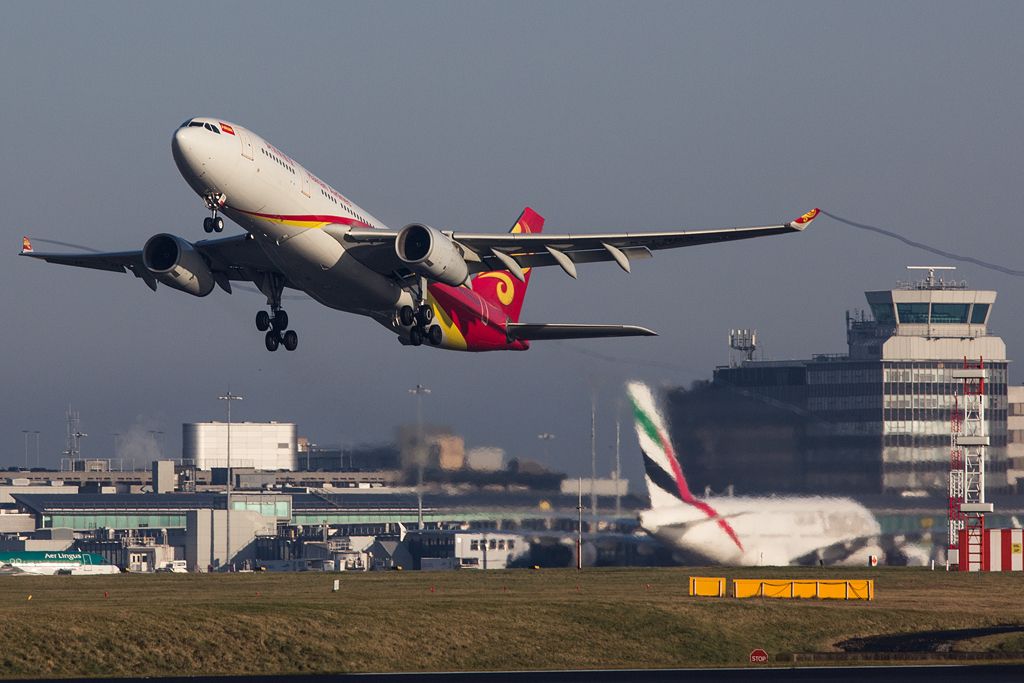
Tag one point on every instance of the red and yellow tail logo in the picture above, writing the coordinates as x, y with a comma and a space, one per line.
26, 246
500, 287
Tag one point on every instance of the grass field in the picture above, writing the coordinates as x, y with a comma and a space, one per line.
174, 624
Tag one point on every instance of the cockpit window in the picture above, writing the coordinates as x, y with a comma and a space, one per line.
211, 127
195, 124
186, 124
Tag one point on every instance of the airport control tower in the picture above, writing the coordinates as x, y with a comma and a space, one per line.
920, 335
872, 420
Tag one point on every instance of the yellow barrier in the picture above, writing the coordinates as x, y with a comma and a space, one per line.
707, 587
822, 589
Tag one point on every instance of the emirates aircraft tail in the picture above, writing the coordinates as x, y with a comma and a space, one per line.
663, 475
503, 288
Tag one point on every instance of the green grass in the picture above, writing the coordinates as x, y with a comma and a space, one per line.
406, 621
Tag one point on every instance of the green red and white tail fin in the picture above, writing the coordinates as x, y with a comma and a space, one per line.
501, 287
666, 484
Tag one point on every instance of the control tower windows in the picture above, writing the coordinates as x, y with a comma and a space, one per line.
883, 313
912, 313
979, 314
949, 313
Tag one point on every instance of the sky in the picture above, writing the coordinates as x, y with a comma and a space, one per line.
601, 116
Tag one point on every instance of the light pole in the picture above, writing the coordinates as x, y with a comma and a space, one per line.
546, 438
26, 432
228, 397
593, 454
418, 391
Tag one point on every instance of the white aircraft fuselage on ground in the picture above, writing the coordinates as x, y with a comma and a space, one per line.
729, 530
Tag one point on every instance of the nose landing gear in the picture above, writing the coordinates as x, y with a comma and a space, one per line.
214, 202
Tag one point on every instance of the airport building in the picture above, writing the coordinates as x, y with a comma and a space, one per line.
268, 446
873, 420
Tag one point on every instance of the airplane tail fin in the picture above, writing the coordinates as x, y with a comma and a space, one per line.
500, 287
666, 484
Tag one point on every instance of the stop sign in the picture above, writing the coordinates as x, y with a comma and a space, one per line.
758, 656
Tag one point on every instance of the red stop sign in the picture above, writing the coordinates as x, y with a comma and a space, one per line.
758, 656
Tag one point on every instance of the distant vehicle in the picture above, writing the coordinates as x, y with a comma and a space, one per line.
452, 290
746, 531
174, 566
50, 563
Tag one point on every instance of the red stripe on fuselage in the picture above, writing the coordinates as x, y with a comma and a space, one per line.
687, 496
309, 218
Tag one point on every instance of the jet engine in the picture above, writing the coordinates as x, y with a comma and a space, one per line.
431, 253
176, 263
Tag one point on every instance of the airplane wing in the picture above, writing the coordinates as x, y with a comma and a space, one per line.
486, 251
230, 258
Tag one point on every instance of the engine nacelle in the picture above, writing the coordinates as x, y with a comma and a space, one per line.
431, 253
175, 262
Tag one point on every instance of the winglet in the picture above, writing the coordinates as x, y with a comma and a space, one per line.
26, 245
805, 220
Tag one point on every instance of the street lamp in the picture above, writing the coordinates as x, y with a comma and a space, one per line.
418, 391
546, 437
229, 397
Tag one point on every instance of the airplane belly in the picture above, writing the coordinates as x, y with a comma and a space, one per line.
316, 263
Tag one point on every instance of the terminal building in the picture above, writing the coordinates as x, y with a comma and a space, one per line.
874, 420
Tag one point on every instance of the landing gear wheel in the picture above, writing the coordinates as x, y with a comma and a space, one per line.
435, 335
290, 340
425, 315
262, 321
415, 336
280, 320
218, 224
273, 340
406, 316
207, 224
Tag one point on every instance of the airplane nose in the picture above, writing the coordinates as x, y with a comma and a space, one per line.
185, 146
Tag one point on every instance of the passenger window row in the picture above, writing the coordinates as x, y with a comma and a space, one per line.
285, 165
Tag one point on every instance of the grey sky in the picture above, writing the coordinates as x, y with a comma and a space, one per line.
598, 115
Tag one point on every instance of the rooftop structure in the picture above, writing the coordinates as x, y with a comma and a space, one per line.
872, 420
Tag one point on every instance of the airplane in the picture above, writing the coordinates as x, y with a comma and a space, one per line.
748, 531
448, 289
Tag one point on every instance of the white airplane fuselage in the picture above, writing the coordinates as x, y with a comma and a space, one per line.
277, 201
768, 531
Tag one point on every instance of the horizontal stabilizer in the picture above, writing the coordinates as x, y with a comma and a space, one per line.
539, 331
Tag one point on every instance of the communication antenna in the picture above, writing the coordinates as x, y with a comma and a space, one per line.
930, 282
73, 451
744, 341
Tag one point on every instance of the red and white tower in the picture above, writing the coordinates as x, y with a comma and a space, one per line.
970, 445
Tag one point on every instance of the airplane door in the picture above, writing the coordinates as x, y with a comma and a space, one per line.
306, 184
246, 141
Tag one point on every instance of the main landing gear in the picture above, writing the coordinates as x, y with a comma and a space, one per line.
276, 327
275, 323
214, 202
419, 320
